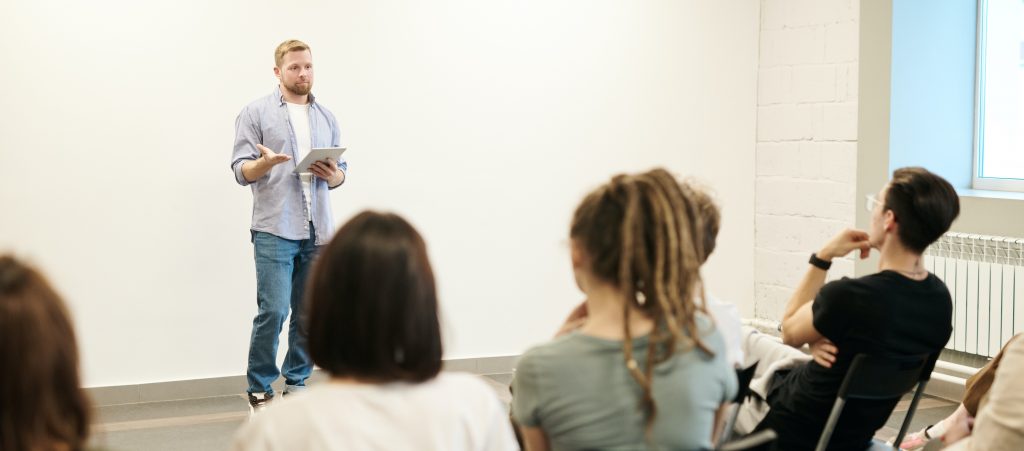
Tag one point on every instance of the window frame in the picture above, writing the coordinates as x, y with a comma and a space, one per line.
977, 181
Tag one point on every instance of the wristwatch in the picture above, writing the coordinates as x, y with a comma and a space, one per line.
819, 263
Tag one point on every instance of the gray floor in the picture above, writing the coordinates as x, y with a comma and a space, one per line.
210, 423
929, 411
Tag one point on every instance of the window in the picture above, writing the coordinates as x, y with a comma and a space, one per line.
999, 112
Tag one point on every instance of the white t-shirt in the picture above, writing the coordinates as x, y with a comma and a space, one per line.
727, 319
299, 115
452, 412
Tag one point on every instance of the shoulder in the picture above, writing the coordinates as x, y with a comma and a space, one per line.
562, 352
710, 335
469, 391
845, 284
847, 287
569, 344
254, 109
262, 102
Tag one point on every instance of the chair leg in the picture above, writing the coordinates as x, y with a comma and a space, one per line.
833, 418
910, 412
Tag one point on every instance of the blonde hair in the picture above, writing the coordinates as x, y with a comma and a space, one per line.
291, 45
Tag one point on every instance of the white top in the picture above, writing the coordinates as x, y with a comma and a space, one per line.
299, 115
452, 412
727, 319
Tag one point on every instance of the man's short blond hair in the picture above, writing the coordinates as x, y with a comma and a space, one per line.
291, 45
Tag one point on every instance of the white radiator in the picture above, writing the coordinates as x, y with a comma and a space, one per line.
985, 276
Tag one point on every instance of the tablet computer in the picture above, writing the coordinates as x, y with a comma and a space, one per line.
317, 154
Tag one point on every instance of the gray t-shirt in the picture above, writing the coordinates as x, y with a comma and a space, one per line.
578, 390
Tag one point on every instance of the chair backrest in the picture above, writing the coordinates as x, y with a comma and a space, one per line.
881, 377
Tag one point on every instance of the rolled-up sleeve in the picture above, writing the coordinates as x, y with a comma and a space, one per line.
247, 136
336, 142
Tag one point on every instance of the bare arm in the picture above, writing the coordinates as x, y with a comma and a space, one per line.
252, 170
720, 414
534, 439
798, 321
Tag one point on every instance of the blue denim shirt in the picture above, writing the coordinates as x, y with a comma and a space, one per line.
278, 203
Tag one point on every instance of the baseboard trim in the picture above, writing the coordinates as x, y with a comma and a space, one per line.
235, 385
950, 388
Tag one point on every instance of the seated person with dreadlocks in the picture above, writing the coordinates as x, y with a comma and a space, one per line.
902, 310
726, 315
647, 369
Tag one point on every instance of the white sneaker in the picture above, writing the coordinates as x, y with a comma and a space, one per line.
292, 389
258, 402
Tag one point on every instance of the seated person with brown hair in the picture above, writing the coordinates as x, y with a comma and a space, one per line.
42, 406
373, 326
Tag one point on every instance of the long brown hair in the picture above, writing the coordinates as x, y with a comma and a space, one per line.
42, 405
642, 233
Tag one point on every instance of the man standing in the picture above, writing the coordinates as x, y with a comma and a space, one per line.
291, 214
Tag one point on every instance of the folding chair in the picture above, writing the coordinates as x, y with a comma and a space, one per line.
877, 378
743, 377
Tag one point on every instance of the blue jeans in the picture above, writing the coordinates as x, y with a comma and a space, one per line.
281, 269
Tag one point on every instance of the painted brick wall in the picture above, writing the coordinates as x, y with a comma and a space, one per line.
806, 141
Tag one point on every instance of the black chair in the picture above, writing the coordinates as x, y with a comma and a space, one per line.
877, 378
743, 377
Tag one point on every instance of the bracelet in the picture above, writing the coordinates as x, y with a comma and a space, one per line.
819, 263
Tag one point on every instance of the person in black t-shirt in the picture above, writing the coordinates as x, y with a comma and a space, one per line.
900, 310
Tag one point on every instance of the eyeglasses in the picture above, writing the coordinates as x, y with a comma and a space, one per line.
871, 201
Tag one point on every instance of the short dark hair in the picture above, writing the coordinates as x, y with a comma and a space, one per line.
924, 204
42, 404
372, 303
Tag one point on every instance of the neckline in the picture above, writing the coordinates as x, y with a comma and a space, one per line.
927, 276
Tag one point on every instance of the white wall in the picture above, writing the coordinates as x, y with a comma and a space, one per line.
807, 98
482, 122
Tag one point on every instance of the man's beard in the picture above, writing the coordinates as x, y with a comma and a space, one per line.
299, 90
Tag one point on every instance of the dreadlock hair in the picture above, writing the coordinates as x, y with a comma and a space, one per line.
710, 215
643, 234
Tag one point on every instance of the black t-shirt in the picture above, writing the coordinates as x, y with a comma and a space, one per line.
884, 313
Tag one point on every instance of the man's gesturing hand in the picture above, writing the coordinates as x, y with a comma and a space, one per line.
270, 157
